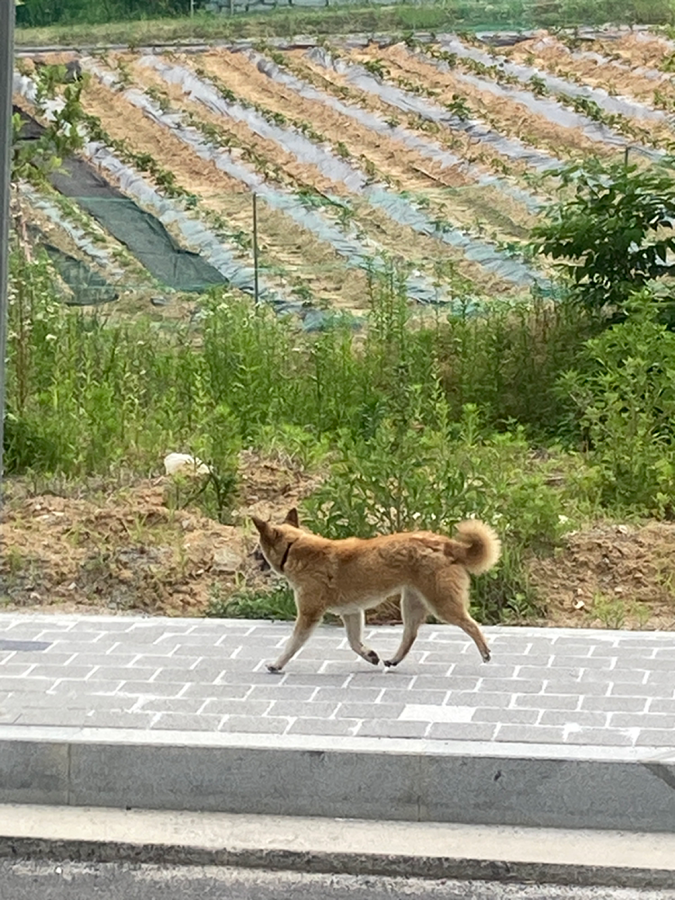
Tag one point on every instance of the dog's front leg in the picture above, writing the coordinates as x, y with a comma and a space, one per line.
354, 628
304, 626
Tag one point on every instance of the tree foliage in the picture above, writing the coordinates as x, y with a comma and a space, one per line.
34, 157
51, 12
615, 234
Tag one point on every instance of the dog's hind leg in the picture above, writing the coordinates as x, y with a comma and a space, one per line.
448, 597
450, 602
304, 626
354, 628
413, 612
472, 628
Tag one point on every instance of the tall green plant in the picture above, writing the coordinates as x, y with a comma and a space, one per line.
625, 399
507, 358
615, 234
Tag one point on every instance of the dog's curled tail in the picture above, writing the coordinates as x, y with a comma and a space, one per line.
483, 547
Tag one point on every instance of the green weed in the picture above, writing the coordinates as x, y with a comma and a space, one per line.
459, 107
624, 394
276, 603
611, 611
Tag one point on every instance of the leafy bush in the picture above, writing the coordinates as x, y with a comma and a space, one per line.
625, 398
615, 234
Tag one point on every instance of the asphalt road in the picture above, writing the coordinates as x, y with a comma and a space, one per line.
38, 880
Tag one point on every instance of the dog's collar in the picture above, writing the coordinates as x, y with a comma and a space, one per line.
285, 556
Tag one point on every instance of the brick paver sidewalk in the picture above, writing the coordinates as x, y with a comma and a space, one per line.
544, 686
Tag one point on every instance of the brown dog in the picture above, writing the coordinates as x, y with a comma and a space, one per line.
346, 577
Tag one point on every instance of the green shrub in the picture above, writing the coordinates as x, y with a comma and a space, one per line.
614, 235
625, 398
410, 477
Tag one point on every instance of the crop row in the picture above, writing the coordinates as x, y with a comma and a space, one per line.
428, 155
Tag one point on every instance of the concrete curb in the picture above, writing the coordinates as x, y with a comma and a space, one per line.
300, 845
385, 779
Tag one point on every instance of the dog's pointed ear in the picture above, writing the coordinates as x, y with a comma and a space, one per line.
263, 527
292, 518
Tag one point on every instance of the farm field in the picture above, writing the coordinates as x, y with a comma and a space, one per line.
427, 157
310, 263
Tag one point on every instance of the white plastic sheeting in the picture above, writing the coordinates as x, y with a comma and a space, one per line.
369, 256
166, 210
592, 56
556, 85
512, 148
333, 167
374, 122
83, 241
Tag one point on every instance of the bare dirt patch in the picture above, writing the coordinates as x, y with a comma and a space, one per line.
613, 576
132, 550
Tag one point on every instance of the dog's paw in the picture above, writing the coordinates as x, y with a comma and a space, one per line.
372, 657
390, 663
273, 669
486, 656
